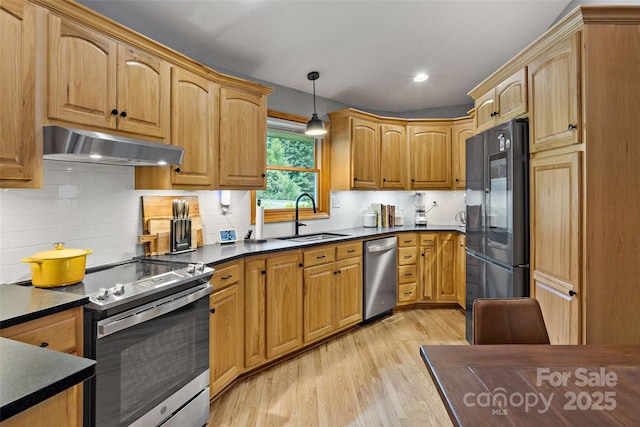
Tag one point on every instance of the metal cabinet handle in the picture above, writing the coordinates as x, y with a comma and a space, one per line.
321, 256
123, 114
408, 293
571, 126
572, 293
213, 310
351, 251
114, 112
227, 277
44, 344
408, 274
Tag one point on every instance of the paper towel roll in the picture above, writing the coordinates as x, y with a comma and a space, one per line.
259, 221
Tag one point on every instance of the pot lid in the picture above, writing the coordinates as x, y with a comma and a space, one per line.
59, 252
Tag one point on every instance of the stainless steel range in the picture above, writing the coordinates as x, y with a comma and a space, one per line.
147, 326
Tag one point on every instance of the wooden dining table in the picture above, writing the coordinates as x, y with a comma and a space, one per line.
537, 385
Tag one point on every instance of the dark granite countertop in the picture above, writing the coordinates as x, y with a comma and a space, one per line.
31, 374
216, 253
20, 304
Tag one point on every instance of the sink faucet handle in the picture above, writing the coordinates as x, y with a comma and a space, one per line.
301, 224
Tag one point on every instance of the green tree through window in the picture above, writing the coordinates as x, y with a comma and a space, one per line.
291, 170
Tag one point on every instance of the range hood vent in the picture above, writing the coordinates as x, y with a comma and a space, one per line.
74, 145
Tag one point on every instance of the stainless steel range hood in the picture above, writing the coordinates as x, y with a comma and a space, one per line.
74, 145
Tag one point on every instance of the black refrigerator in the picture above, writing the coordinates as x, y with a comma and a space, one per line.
497, 215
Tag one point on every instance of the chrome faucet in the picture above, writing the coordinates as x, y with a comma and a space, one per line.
313, 202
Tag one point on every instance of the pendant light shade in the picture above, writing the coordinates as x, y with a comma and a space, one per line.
315, 126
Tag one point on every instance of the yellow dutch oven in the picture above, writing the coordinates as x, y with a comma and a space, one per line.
58, 267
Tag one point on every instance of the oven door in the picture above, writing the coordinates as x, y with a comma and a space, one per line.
150, 353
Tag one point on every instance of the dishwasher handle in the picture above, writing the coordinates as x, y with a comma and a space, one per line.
381, 248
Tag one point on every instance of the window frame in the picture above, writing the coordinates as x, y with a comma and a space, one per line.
323, 162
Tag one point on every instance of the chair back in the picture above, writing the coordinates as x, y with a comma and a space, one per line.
508, 321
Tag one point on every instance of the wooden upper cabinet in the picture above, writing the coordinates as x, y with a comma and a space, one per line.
143, 92
193, 127
462, 129
506, 101
393, 156
365, 154
242, 154
20, 144
95, 81
430, 156
82, 74
554, 88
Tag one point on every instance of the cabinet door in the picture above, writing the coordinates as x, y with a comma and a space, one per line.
430, 153
318, 301
255, 275
242, 161
393, 156
486, 109
511, 96
462, 130
56, 411
284, 304
82, 74
555, 243
225, 355
193, 119
20, 163
461, 271
554, 92
428, 273
348, 292
143, 92
365, 154
446, 285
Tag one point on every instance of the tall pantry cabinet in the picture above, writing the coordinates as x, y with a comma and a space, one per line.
584, 104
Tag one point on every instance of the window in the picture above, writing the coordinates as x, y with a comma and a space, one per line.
296, 164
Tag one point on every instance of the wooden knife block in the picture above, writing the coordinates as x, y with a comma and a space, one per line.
157, 214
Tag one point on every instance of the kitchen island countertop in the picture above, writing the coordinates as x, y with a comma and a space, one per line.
213, 254
20, 304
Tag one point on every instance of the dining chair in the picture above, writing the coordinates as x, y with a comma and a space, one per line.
508, 321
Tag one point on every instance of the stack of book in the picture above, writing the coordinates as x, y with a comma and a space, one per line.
387, 215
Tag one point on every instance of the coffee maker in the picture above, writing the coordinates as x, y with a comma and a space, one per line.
420, 217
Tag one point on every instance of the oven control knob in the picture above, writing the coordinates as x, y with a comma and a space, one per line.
200, 266
191, 268
118, 290
102, 294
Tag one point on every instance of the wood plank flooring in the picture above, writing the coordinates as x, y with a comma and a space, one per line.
372, 376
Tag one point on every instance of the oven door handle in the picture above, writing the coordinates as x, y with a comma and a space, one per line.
150, 311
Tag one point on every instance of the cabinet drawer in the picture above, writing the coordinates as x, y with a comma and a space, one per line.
349, 250
319, 256
407, 273
56, 332
428, 239
225, 275
407, 239
407, 255
407, 292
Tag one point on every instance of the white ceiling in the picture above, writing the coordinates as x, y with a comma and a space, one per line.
366, 51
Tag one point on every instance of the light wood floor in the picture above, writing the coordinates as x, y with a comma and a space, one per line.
372, 376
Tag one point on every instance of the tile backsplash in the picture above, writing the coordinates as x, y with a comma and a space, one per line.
96, 207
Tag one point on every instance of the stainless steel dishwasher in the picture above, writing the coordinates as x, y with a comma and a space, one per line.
380, 279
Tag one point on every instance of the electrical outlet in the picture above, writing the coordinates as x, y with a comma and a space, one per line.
335, 202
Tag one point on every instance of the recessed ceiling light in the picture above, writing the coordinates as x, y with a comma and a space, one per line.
420, 77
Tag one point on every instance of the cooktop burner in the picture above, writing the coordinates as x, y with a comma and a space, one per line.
117, 284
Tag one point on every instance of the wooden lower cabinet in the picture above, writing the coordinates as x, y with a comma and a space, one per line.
62, 332
255, 329
283, 304
441, 268
407, 257
555, 235
460, 273
226, 328
56, 411
332, 290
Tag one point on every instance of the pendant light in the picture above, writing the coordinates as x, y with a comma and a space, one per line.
315, 126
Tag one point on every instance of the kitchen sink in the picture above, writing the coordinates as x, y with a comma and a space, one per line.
313, 237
